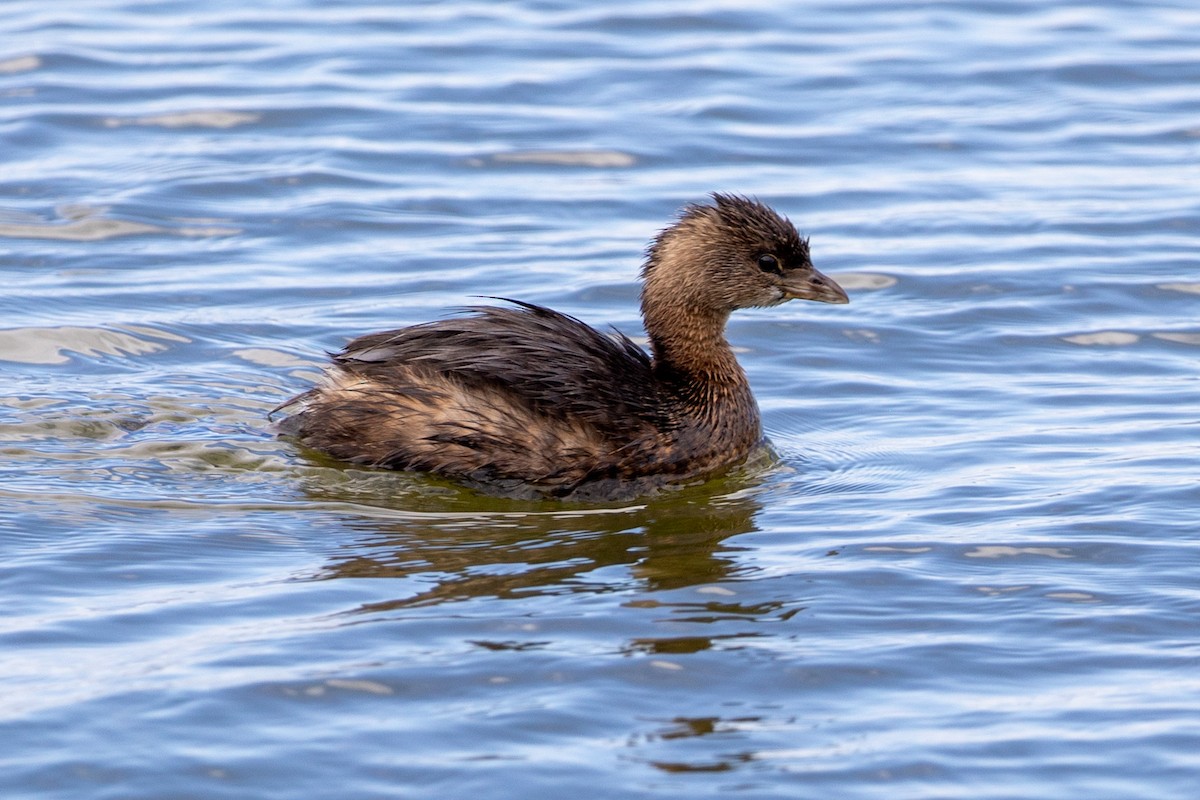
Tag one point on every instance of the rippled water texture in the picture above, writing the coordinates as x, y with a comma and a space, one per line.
970, 569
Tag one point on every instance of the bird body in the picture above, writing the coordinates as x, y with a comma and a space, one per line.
524, 400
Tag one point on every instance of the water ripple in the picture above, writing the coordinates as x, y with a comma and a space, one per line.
965, 569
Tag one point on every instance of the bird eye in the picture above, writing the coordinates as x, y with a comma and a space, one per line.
768, 263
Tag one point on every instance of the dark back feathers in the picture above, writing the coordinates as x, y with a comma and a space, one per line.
562, 367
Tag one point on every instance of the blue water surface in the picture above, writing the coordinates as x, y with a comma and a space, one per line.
970, 569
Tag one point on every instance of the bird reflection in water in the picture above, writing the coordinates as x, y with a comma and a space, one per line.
471, 546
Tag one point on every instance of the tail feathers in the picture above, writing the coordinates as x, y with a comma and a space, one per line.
290, 425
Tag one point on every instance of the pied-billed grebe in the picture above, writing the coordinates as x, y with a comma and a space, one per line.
528, 401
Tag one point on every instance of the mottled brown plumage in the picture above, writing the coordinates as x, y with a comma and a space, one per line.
527, 401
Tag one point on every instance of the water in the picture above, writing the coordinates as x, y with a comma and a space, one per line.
971, 570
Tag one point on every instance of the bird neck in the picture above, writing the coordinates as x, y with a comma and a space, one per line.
685, 319
690, 351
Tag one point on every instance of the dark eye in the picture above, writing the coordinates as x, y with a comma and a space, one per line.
768, 263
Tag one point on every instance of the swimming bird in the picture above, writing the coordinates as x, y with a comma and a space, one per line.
526, 401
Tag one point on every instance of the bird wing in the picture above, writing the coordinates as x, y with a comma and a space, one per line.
560, 366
